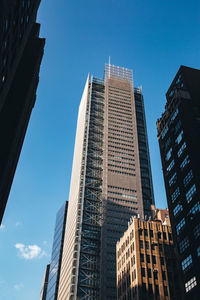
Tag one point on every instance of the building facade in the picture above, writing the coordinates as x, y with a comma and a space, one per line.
109, 176
21, 52
56, 257
43, 293
178, 135
146, 264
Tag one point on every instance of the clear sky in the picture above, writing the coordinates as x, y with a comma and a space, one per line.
151, 37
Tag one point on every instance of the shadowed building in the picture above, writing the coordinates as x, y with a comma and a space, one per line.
111, 181
21, 51
146, 264
179, 140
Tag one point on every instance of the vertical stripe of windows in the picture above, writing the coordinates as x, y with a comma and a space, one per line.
190, 193
175, 194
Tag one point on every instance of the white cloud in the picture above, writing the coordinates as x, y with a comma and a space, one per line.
18, 286
17, 224
2, 227
30, 251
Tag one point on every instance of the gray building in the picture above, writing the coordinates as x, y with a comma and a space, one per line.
111, 181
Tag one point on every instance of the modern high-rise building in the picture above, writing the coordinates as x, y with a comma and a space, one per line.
21, 51
179, 140
146, 261
56, 257
111, 181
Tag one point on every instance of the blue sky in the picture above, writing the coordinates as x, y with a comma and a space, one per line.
151, 37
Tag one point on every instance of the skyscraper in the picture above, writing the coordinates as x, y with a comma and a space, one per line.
111, 181
179, 140
21, 51
56, 257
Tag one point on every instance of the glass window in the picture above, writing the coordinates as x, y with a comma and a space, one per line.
188, 178
154, 259
177, 209
172, 180
196, 231
184, 244
190, 284
141, 244
198, 251
179, 137
178, 126
194, 210
180, 226
149, 273
175, 194
168, 155
190, 193
185, 162
186, 263
181, 149
164, 132
170, 166
146, 245
174, 115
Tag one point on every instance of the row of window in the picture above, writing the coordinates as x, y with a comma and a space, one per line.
120, 131
121, 110
111, 138
122, 173
129, 136
110, 119
127, 128
121, 162
120, 167
124, 104
123, 200
117, 121
121, 188
122, 116
124, 149
121, 157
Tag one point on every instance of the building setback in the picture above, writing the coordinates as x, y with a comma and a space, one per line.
179, 136
111, 181
146, 264
21, 51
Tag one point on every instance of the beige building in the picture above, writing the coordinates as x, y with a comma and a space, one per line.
111, 181
146, 264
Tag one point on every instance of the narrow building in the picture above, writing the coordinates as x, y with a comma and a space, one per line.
179, 140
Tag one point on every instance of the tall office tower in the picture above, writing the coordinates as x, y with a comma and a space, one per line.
56, 257
146, 264
109, 176
21, 51
179, 135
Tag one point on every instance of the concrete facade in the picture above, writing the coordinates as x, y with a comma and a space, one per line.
146, 264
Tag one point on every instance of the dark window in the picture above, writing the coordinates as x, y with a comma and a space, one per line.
162, 261
143, 272
148, 258
142, 257
154, 259
146, 245
149, 273
141, 244
164, 235
163, 275
165, 291
151, 233
155, 272
159, 235
145, 232
157, 290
